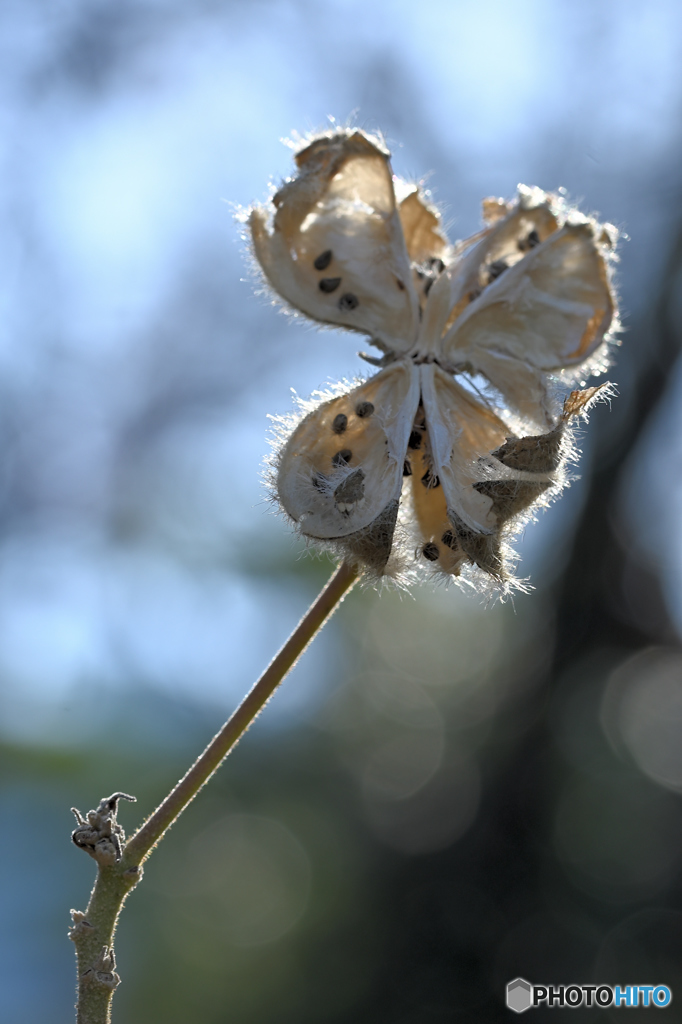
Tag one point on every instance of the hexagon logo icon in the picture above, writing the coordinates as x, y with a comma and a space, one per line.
519, 997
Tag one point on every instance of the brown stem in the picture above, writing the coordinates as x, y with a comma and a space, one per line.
93, 931
220, 746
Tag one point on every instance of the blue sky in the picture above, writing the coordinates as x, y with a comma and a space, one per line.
138, 368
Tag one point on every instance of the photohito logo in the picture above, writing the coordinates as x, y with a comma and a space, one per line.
522, 996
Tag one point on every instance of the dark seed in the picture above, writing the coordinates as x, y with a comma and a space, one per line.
530, 241
430, 479
449, 539
415, 440
364, 409
319, 482
348, 302
497, 268
340, 423
342, 458
407, 468
429, 285
430, 552
323, 260
329, 284
436, 264
401, 286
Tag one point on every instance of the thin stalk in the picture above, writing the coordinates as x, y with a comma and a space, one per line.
220, 746
93, 931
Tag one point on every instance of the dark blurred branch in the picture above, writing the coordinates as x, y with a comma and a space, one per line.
506, 860
591, 588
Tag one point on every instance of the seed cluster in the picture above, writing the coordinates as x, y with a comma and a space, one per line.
327, 285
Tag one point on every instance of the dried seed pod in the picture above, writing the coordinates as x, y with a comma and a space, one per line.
433, 463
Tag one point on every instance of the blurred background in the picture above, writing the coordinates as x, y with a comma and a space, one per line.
444, 795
